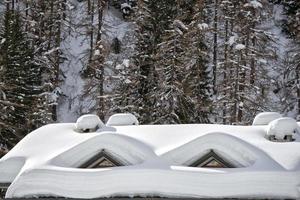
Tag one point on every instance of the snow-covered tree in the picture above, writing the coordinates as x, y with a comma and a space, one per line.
242, 70
197, 75
290, 88
173, 104
292, 23
45, 25
22, 102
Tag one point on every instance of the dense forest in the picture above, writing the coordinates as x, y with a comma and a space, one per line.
166, 61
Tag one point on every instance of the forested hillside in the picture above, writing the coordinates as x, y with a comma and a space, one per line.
166, 61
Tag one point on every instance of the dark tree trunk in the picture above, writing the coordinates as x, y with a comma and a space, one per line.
101, 113
226, 48
215, 46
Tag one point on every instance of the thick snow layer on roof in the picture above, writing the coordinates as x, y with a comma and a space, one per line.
45, 163
283, 127
87, 122
122, 119
265, 118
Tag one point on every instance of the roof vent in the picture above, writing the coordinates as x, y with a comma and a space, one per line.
88, 123
122, 119
282, 129
265, 118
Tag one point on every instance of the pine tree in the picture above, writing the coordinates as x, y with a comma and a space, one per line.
291, 68
138, 89
242, 71
45, 24
174, 105
292, 24
198, 81
22, 102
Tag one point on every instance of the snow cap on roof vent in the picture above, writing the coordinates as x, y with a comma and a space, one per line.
282, 129
88, 123
265, 118
122, 119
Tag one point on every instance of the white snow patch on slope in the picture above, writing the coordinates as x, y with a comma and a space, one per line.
72, 102
74, 46
254, 4
240, 47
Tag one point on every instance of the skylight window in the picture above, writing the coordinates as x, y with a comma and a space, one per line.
101, 160
212, 160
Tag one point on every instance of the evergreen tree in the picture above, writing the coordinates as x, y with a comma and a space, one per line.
198, 82
291, 68
292, 23
22, 104
45, 25
242, 73
138, 89
174, 105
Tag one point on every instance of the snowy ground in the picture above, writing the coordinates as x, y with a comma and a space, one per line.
72, 103
74, 47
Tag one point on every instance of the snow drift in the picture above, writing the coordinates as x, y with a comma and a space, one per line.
156, 158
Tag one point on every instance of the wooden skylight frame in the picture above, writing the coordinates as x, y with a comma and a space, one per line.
212, 160
101, 160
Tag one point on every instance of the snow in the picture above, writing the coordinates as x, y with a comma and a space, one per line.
127, 81
254, 4
180, 25
232, 40
203, 26
125, 5
3, 40
97, 52
240, 47
125, 64
89, 122
156, 158
74, 47
282, 127
265, 118
73, 101
122, 119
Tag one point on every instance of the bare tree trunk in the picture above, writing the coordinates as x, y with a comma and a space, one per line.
234, 111
26, 15
64, 8
100, 6
243, 80
298, 87
226, 48
57, 55
241, 90
91, 8
252, 64
252, 68
12, 4
215, 46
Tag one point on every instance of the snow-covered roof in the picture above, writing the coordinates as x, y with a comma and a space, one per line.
45, 163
